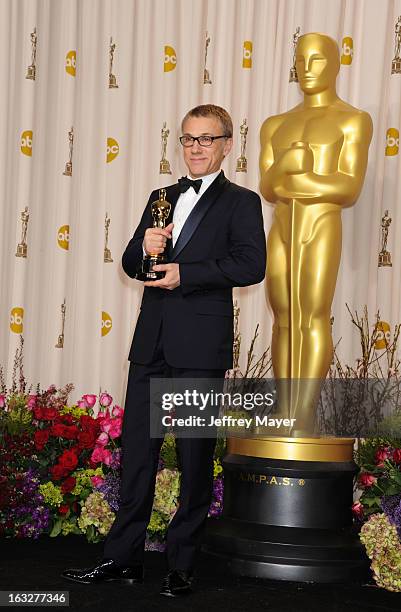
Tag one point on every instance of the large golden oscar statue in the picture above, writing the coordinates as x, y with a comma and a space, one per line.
312, 164
287, 498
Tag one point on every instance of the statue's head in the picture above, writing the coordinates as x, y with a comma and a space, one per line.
317, 62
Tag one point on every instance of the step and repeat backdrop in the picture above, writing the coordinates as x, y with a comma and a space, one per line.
92, 97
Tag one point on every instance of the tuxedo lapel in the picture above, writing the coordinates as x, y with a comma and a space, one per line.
198, 212
172, 195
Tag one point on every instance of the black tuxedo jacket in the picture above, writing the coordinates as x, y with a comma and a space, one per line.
221, 245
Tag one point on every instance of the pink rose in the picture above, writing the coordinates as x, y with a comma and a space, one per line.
103, 415
381, 455
97, 480
82, 404
103, 439
117, 411
105, 400
101, 455
2, 401
112, 426
90, 400
116, 427
357, 509
367, 480
31, 402
106, 423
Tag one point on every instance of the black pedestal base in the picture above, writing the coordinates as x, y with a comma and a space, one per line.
287, 553
288, 520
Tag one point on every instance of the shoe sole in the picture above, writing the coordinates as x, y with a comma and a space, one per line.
176, 594
129, 581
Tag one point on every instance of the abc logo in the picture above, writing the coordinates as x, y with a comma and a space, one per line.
170, 58
71, 62
26, 142
347, 51
16, 319
107, 323
392, 141
63, 237
382, 330
247, 54
113, 149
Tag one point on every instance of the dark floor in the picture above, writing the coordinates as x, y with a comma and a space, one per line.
33, 565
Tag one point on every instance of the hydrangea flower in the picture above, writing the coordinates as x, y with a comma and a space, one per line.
383, 547
52, 494
166, 492
97, 512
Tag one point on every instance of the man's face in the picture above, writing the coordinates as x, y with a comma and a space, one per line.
201, 161
316, 68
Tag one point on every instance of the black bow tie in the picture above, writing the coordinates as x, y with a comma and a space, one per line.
185, 183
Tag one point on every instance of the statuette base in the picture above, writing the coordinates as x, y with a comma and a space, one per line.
384, 259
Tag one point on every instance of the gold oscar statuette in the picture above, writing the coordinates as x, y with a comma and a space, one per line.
313, 161
107, 253
60, 341
206, 75
396, 63
68, 165
160, 211
293, 69
242, 163
384, 255
22, 247
31, 72
112, 78
164, 163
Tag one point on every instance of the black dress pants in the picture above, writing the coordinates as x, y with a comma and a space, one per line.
140, 455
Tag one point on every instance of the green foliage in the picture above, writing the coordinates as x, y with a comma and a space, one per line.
220, 448
56, 529
17, 419
157, 525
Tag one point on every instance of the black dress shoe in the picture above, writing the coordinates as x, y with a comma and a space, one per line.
106, 571
176, 583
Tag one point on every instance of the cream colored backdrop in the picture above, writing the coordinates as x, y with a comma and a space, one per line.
66, 228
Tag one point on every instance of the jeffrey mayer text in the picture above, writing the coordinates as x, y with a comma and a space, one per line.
225, 421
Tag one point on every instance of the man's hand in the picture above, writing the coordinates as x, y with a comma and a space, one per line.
155, 239
170, 281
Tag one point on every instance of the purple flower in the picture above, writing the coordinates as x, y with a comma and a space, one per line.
116, 459
30, 516
391, 506
216, 507
155, 545
110, 488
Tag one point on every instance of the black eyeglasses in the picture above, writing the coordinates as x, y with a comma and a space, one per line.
203, 141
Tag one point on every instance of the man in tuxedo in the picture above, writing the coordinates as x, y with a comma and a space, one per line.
214, 241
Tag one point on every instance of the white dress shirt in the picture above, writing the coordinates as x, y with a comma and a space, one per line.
187, 201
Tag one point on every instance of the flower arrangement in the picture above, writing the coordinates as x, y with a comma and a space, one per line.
379, 479
378, 509
60, 465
